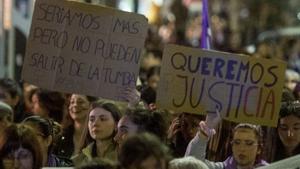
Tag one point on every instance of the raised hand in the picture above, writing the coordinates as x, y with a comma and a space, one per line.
213, 119
174, 128
207, 127
132, 96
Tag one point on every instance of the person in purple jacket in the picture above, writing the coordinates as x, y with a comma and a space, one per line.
246, 145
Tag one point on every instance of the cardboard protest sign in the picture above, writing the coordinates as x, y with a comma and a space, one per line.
81, 48
243, 89
288, 163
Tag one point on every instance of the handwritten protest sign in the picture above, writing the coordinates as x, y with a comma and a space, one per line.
243, 89
81, 48
288, 163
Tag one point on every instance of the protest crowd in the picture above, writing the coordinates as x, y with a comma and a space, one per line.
47, 128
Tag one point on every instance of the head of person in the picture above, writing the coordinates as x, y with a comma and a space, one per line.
151, 58
139, 121
189, 125
48, 104
289, 127
291, 79
98, 163
187, 163
43, 129
102, 121
19, 148
153, 77
144, 151
148, 95
6, 116
78, 109
10, 92
247, 144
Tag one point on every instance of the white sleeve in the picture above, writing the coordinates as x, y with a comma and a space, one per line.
197, 149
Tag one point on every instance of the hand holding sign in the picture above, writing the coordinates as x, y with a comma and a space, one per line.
132, 96
213, 119
207, 127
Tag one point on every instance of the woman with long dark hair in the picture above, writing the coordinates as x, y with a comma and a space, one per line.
101, 128
288, 129
68, 143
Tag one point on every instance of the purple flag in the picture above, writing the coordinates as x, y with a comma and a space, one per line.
206, 31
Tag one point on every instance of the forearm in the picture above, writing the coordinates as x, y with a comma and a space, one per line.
197, 147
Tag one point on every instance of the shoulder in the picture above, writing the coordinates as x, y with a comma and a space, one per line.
84, 156
88, 150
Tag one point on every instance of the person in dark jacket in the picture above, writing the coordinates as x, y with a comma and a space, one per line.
68, 144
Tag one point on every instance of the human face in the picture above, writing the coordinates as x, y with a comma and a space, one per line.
79, 106
245, 147
125, 128
289, 131
290, 83
101, 124
37, 109
19, 159
153, 81
149, 163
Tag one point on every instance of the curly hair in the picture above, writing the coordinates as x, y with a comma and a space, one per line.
290, 108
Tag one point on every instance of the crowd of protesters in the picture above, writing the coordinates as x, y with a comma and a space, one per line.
60, 130
42, 128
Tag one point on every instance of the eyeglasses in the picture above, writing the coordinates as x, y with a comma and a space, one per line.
246, 143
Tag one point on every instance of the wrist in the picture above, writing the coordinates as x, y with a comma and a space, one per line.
205, 131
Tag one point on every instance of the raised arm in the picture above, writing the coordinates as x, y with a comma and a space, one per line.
197, 146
